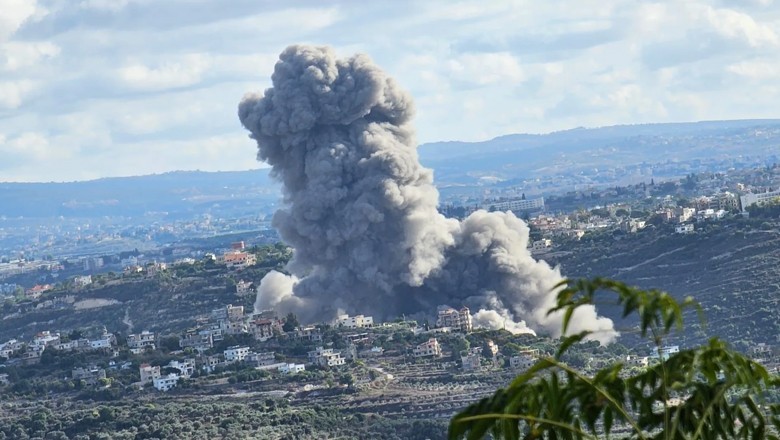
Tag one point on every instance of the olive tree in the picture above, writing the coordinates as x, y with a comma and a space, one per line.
706, 392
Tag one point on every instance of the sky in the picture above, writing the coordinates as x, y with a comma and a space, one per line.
98, 88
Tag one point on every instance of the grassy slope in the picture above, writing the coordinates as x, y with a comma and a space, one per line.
731, 268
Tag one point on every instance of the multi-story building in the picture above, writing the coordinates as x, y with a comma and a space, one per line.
261, 359
197, 340
750, 199
725, 201
141, 342
358, 321
236, 354
165, 383
82, 281
458, 320
239, 260
46, 339
428, 348
263, 329
326, 357
291, 368
471, 362
90, 375
244, 288
518, 205
186, 367
524, 360
148, 373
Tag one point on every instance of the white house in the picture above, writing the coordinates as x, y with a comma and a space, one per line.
82, 281
236, 354
186, 368
165, 383
291, 368
686, 228
138, 343
326, 357
358, 321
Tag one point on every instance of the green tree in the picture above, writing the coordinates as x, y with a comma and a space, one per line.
290, 322
708, 392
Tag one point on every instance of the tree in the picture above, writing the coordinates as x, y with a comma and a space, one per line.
707, 392
290, 322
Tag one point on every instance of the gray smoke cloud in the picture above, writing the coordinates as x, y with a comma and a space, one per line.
360, 209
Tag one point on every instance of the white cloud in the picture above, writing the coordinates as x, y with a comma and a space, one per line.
13, 92
487, 68
107, 84
186, 71
16, 55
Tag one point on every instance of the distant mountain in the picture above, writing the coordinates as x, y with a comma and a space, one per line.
525, 155
507, 157
179, 193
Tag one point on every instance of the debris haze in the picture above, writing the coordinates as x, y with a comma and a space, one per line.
361, 213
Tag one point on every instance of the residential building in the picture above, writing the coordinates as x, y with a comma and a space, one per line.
264, 329
358, 321
428, 348
310, 333
4, 379
236, 354
541, 245
458, 320
90, 375
665, 352
228, 313
471, 362
37, 290
197, 340
238, 260
750, 199
82, 281
637, 361
244, 288
686, 228
524, 359
261, 359
212, 362
138, 343
326, 357
154, 268
148, 373
291, 368
186, 367
165, 383
518, 205
725, 201
46, 338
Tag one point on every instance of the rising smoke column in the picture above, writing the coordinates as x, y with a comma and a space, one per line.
360, 209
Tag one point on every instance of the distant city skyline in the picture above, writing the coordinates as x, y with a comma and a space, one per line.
100, 88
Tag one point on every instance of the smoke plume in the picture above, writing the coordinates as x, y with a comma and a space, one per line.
360, 209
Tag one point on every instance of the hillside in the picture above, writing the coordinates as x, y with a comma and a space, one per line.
729, 267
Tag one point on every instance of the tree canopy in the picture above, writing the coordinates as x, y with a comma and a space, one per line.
706, 392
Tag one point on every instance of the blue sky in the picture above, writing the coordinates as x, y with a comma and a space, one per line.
94, 88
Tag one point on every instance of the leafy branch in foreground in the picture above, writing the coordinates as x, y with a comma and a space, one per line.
708, 392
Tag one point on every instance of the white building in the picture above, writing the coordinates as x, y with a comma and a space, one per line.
46, 338
244, 287
149, 373
186, 368
358, 321
236, 354
516, 205
165, 383
758, 199
291, 368
428, 348
326, 357
541, 245
686, 228
665, 352
524, 360
82, 281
